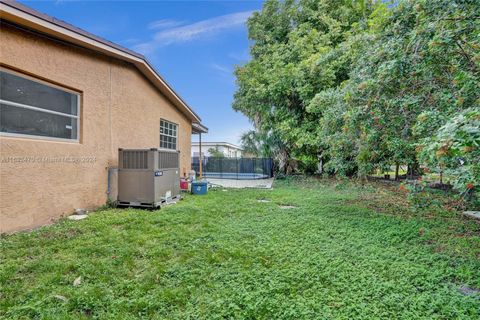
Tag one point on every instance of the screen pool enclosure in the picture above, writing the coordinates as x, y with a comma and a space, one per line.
234, 168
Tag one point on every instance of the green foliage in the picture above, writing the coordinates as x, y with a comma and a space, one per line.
307, 164
296, 54
267, 144
455, 149
414, 69
214, 152
361, 84
228, 256
419, 197
251, 144
260, 144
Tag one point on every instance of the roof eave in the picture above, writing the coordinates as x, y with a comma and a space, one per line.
199, 128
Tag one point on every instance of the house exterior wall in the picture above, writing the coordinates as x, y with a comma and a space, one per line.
41, 179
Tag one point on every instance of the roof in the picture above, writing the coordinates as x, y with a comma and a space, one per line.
198, 128
32, 19
225, 144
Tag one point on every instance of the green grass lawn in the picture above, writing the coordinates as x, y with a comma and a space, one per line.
342, 252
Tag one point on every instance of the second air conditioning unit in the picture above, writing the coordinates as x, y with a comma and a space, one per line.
148, 177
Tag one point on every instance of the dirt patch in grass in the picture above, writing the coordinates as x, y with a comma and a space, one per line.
286, 207
469, 291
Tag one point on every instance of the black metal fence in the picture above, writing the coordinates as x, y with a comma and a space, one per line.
234, 168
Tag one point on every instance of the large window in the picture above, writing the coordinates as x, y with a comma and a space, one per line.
34, 108
168, 135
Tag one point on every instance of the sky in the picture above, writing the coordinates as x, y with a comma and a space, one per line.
195, 45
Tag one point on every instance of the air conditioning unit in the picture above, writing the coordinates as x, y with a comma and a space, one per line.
148, 177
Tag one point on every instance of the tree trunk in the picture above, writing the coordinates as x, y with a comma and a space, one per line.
413, 169
397, 169
282, 158
320, 164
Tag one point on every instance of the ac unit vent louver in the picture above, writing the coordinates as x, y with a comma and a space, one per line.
167, 160
135, 160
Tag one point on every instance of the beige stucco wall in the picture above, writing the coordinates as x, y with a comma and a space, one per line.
120, 108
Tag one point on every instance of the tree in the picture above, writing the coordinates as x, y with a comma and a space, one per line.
214, 152
295, 55
455, 150
268, 145
251, 144
364, 85
421, 62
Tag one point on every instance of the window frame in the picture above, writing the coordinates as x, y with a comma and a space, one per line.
167, 135
33, 108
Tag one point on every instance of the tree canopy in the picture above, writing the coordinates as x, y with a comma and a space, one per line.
365, 85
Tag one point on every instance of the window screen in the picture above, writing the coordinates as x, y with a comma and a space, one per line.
33, 108
168, 135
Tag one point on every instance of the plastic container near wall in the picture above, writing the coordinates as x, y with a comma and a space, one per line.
183, 184
199, 187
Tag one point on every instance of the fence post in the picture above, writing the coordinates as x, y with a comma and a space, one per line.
221, 167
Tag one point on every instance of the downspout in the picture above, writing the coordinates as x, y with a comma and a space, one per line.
111, 170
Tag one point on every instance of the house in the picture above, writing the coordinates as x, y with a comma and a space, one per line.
69, 101
229, 150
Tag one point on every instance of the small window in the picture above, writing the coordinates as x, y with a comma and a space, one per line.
33, 108
168, 135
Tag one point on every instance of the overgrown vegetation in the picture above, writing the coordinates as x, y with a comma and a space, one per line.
360, 86
308, 249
